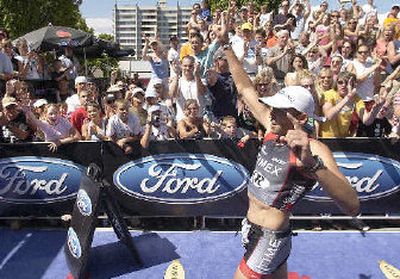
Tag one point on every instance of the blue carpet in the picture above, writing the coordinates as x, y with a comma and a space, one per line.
203, 254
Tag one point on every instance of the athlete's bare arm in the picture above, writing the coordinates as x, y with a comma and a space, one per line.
331, 179
244, 85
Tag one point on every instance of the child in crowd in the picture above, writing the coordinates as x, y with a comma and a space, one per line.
56, 129
123, 127
230, 130
94, 126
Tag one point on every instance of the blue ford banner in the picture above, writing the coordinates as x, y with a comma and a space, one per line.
181, 178
29, 179
372, 176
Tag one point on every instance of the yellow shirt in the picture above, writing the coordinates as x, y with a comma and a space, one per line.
339, 127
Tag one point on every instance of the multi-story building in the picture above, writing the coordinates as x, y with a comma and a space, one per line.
132, 21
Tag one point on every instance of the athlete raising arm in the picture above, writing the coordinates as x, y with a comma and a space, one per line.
288, 165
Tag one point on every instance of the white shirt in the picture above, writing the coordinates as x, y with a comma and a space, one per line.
187, 89
249, 58
116, 127
73, 103
173, 55
365, 89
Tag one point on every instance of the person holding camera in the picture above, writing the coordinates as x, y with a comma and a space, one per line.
156, 127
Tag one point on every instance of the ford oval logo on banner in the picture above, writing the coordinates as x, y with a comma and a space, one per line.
35, 180
181, 178
84, 203
372, 176
73, 243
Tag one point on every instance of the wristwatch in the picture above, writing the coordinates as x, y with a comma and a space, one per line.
319, 165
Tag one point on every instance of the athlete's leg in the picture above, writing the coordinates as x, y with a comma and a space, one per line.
281, 272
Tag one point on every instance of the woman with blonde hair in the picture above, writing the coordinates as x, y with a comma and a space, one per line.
265, 82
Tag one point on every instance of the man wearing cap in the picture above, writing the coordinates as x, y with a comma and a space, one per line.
15, 126
73, 101
248, 50
288, 165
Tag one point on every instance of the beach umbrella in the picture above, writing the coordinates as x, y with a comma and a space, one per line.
55, 37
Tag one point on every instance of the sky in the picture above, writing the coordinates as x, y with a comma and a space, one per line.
98, 13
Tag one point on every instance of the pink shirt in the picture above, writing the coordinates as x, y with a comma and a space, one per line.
55, 132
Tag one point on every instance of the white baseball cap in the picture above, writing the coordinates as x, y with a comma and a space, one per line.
296, 97
153, 108
137, 90
40, 102
150, 93
80, 79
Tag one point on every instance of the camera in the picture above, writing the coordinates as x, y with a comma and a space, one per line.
155, 118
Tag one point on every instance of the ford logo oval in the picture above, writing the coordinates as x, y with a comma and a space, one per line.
372, 176
35, 180
74, 245
84, 203
181, 178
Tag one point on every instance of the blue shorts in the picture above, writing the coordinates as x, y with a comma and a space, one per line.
266, 250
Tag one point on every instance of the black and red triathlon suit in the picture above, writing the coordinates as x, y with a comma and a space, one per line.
277, 182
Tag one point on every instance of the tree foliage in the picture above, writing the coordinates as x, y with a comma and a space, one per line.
223, 4
19, 17
104, 63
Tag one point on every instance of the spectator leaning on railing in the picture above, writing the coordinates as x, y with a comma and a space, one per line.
56, 129
15, 126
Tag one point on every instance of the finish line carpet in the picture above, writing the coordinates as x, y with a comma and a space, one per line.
34, 254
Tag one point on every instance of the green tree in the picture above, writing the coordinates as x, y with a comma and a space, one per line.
19, 17
223, 4
104, 63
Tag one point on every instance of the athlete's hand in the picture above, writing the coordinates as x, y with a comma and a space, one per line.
297, 140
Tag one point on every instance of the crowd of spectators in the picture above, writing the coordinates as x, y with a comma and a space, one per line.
347, 58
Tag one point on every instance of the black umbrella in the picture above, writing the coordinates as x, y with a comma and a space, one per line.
101, 46
54, 37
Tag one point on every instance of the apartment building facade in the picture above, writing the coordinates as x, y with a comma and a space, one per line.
132, 20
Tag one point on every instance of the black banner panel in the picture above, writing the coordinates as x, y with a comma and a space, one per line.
83, 224
183, 178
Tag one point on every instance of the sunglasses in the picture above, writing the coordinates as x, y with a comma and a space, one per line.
363, 51
341, 82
